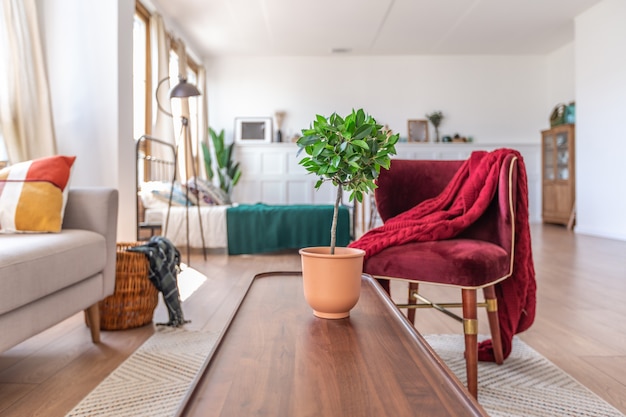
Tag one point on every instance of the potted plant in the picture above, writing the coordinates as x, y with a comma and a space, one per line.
228, 171
435, 118
348, 152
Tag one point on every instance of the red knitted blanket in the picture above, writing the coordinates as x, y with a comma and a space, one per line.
461, 203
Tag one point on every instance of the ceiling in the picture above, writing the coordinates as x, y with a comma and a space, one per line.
372, 27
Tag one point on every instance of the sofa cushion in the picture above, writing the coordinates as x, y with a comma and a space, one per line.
35, 265
33, 194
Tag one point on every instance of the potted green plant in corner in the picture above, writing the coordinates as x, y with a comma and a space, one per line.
348, 152
228, 172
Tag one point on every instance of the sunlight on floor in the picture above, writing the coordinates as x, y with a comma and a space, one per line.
189, 280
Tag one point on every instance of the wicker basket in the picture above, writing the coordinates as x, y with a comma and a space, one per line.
135, 297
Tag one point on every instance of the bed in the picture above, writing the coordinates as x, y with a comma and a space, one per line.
156, 167
235, 228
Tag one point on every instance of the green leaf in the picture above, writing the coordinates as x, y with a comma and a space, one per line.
363, 131
318, 148
361, 144
208, 167
306, 140
354, 164
228, 172
236, 176
360, 116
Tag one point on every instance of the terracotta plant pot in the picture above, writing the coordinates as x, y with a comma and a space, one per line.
332, 283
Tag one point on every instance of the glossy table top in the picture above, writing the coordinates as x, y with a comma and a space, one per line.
277, 359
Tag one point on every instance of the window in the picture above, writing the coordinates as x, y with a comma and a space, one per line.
143, 97
194, 113
174, 104
192, 78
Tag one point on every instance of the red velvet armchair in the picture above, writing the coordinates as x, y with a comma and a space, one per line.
467, 240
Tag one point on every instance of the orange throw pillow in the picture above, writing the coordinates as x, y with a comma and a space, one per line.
33, 194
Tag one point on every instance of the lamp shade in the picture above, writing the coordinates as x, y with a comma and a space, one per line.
183, 89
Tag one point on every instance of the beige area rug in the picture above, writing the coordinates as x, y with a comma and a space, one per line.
154, 381
526, 385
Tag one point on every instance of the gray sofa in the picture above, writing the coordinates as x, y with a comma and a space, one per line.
48, 277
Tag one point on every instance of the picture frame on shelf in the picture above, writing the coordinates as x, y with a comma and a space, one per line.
418, 130
253, 130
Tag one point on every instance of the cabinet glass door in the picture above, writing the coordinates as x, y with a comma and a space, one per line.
562, 156
548, 157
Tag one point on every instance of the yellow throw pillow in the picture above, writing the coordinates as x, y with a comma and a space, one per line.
33, 194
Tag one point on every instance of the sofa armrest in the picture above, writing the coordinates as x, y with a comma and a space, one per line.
96, 209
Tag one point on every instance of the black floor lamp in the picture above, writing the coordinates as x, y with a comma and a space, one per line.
183, 90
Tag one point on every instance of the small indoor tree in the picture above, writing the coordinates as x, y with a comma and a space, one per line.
349, 152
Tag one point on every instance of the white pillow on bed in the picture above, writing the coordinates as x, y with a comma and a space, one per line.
149, 194
210, 192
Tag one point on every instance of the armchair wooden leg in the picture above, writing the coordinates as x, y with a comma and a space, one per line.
494, 323
413, 288
470, 330
93, 320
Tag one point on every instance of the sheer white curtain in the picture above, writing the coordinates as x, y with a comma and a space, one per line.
162, 124
25, 110
194, 109
203, 122
185, 164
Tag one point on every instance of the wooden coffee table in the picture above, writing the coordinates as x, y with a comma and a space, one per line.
277, 359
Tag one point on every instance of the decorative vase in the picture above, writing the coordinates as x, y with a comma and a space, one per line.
332, 283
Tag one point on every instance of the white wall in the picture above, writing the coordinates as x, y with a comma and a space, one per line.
601, 107
272, 173
494, 99
88, 48
497, 100
561, 78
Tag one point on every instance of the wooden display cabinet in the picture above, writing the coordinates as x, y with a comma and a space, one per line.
558, 175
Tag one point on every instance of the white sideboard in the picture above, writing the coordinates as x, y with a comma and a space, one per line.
271, 173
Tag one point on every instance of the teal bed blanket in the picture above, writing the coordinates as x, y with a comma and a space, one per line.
261, 228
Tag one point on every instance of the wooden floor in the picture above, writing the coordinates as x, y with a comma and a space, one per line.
580, 323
